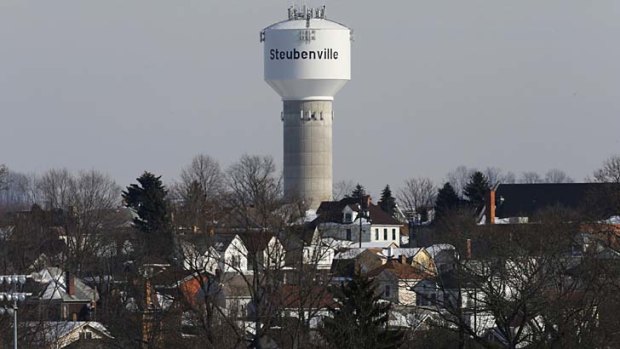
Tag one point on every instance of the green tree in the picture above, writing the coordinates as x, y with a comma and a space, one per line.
387, 202
358, 193
359, 319
476, 189
447, 200
148, 200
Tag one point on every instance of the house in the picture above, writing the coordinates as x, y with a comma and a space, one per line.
306, 248
264, 251
522, 203
65, 296
67, 334
396, 279
443, 256
310, 304
417, 257
441, 294
220, 252
345, 219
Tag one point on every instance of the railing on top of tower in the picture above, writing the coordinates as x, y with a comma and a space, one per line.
304, 12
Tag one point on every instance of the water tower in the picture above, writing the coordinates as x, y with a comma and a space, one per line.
307, 61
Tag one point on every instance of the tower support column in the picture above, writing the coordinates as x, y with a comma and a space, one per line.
308, 151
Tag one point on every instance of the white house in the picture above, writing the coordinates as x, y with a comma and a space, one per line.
395, 281
61, 334
345, 219
220, 252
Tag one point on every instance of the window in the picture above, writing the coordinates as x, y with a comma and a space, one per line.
425, 299
349, 234
387, 291
235, 261
470, 301
385, 234
394, 234
377, 234
348, 218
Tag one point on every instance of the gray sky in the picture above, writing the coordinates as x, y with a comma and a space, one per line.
126, 86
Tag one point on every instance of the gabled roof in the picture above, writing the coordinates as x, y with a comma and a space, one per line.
55, 287
222, 241
349, 253
343, 267
60, 332
331, 211
400, 270
434, 250
257, 241
378, 216
402, 251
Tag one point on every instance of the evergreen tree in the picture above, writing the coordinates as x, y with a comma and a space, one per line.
476, 189
387, 202
447, 200
358, 193
359, 320
148, 200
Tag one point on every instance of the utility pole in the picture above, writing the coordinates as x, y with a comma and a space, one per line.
359, 216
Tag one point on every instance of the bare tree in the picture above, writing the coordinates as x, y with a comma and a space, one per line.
4, 171
94, 198
55, 187
555, 175
254, 189
520, 283
88, 201
496, 175
19, 192
197, 195
610, 171
342, 189
417, 195
205, 171
530, 177
459, 177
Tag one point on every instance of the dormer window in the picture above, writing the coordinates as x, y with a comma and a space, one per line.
348, 217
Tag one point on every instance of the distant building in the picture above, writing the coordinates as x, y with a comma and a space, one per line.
523, 203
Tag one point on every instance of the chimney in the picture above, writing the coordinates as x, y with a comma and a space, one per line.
403, 259
70, 280
367, 201
490, 206
468, 253
148, 301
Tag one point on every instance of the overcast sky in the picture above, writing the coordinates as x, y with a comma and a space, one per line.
124, 86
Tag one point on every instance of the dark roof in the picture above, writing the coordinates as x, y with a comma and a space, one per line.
343, 267
256, 241
400, 270
331, 211
525, 200
314, 297
222, 241
378, 216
